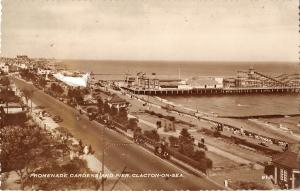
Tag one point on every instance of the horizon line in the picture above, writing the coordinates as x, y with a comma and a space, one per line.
156, 60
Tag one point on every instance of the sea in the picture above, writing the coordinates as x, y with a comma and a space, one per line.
221, 105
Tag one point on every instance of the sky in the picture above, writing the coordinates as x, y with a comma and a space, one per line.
192, 30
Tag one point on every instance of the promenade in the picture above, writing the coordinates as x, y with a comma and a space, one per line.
121, 152
225, 155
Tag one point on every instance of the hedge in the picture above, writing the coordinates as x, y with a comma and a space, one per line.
201, 165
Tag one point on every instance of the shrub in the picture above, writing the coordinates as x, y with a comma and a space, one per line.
217, 134
153, 135
174, 141
132, 124
187, 149
202, 165
198, 155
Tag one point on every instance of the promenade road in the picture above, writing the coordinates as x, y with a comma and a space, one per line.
119, 152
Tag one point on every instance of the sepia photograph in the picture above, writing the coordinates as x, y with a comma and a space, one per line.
148, 95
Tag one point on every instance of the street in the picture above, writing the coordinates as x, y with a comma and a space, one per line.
120, 152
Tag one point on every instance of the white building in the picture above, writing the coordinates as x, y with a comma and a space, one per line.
41, 71
80, 81
4, 67
206, 82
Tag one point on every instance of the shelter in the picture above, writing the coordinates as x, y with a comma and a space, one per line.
117, 102
284, 170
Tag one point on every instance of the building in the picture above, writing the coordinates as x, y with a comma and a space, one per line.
284, 170
22, 61
206, 82
41, 71
4, 67
74, 80
145, 82
117, 102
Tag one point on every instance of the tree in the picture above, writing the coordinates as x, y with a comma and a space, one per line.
185, 137
28, 74
186, 149
57, 88
123, 114
132, 124
5, 81
198, 155
42, 82
152, 135
24, 150
173, 141
28, 93
106, 107
76, 166
186, 146
76, 94
100, 104
113, 111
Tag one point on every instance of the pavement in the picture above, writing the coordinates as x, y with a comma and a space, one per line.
121, 152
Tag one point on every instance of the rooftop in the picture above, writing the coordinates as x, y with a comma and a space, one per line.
288, 159
116, 99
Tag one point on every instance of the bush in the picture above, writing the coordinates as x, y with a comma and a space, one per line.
187, 149
217, 134
153, 135
174, 141
198, 155
132, 124
76, 166
202, 165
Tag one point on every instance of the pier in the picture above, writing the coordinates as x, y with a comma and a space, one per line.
246, 82
214, 91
